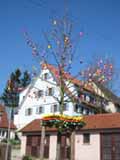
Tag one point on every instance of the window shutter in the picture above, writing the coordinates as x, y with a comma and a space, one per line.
46, 92
26, 111
37, 110
53, 90
43, 109
51, 109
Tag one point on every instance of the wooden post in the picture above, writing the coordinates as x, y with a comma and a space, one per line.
72, 140
42, 143
58, 152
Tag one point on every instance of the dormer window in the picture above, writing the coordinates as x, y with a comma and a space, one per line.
46, 76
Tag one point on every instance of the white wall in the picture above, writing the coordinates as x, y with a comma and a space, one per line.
87, 151
52, 148
23, 145
31, 101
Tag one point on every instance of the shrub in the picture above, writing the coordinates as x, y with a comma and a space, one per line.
14, 142
26, 158
4, 140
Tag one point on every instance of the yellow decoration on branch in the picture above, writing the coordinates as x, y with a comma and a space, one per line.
63, 117
49, 46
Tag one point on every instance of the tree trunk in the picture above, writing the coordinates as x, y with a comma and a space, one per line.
58, 151
72, 156
8, 138
42, 143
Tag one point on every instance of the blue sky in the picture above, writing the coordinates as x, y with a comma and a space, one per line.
98, 19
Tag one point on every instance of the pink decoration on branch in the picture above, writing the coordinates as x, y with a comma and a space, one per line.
81, 34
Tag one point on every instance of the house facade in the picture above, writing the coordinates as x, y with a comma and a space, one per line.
42, 95
4, 125
99, 139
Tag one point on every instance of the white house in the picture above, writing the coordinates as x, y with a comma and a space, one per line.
99, 139
5, 124
41, 97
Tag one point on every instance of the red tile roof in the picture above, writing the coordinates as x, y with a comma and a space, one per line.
102, 121
93, 122
4, 119
35, 126
55, 72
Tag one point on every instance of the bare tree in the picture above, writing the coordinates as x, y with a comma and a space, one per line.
61, 47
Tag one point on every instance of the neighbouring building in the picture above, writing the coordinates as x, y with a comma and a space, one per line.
4, 125
40, 97
99, 139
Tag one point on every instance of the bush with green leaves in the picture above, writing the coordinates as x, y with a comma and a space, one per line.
26, 158
14, 142
4, 140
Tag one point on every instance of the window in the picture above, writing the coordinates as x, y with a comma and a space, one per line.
29, 140
79, 108
40, 110
46, 76
86, 138
23, 97
118, 109
87, 98
28, 111
66, 107
50, 91
1, 113
92, 100
87, 111
82, 97
54, 108
3, 133
104, 102
40, 93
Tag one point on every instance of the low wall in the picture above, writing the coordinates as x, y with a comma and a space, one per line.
3, 147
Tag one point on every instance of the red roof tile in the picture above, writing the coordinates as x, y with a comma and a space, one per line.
93, 122
4, 119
